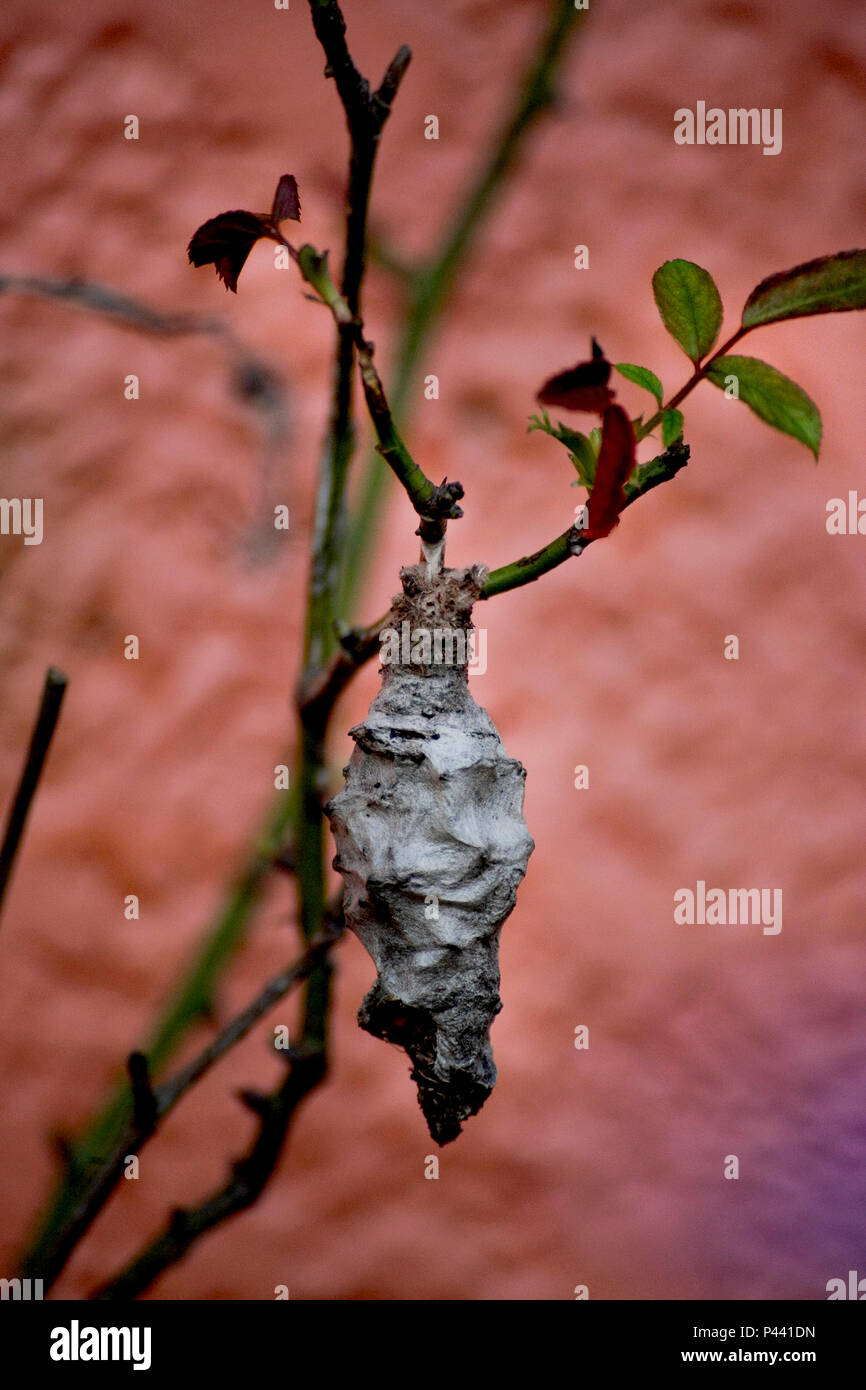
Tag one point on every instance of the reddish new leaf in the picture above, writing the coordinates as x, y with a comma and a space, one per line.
583, 387
616, 460
225, 242
287, 201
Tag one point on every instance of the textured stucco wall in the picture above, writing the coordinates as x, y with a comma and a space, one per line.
601, 1167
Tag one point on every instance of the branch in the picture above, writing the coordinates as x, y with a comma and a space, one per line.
697, 376
151, 1105
191, 1002
248, 1177
276, 989
649, 475
366, 114
536, 95
318, 695
104, 300
40, 741
434, 280
435, 505
571, 542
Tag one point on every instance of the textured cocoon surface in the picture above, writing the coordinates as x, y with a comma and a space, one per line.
432, 845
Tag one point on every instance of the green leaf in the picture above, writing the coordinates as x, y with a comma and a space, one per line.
690, 306
540, 422
828, 285
672, 426
772, 396
581, 450
583, 457
595, 439
641, 376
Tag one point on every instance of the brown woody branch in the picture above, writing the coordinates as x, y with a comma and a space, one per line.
151, 1104
53, 691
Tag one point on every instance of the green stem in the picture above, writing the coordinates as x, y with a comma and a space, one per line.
697, 376
530, 567
420, 489
434, 504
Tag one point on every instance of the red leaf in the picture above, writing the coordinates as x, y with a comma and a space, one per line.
583, 387
226, 241
616, 460
287, 201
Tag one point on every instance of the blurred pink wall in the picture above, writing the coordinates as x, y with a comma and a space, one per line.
601, 1167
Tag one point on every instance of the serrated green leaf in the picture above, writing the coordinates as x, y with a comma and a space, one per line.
829, 285
564, 433
584, 461
690, 306
641, 376
672, 426
572, 439
540, 422
581, 451
773, 397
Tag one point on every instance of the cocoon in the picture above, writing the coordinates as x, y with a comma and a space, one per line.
432, 845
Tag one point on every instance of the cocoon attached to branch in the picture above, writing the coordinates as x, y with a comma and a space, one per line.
432, 845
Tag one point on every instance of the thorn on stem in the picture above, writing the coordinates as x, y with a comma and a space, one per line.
178, 1224
144, 1104
255, 1101
64, 1148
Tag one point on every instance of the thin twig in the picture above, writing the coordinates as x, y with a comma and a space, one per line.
191, 1002
434, 278
248, 1177
113, 304
697, 376
434, 504
170, 1092
40, 741
366, 113
151, 1104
